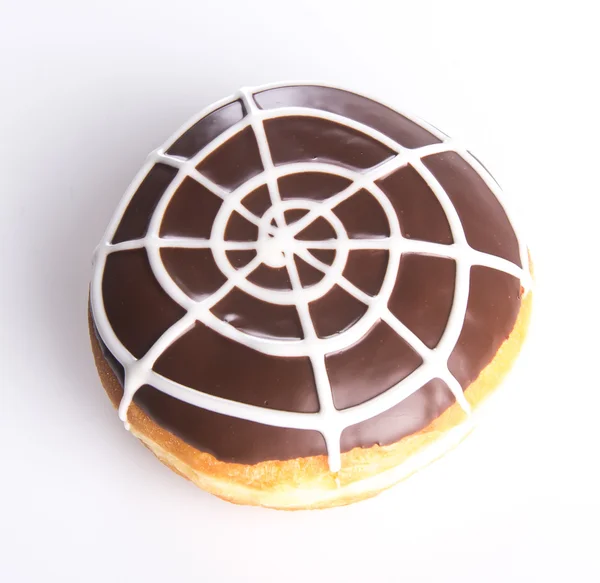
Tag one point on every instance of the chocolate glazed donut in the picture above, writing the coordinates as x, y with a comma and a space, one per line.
301, 272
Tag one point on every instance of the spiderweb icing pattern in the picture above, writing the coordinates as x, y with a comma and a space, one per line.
277, 245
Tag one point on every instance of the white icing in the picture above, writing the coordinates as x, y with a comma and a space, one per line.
276, 246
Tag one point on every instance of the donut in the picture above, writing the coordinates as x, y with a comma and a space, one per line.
305, 295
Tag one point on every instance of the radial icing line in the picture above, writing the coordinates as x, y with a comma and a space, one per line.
330, 434
329, 430
257, 124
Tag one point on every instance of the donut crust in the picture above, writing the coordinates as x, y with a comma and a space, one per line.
307, 483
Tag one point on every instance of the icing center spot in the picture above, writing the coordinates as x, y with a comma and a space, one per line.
271, 249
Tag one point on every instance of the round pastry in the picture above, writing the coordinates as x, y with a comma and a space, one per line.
304, 295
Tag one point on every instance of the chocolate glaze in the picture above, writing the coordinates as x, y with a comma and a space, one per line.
234, 162
140, 311
406, 418
247, 313
297, 139
258, 201
309, 276
191, 212
423, 295
231, 370
362, 216
311, 185
486, 225
420, 213
231, 441
324, 255
137, 307
292, 215
371, 366
240, 259
318, 230
373, 114
194, 271
114, 364
365, 268
494, 302
335, 312
134, 223
240, 229
227, 438
207, 129
271, 277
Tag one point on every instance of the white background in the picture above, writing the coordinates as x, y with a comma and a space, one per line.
89, 88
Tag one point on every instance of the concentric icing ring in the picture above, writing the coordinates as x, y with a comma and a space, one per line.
256, 145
